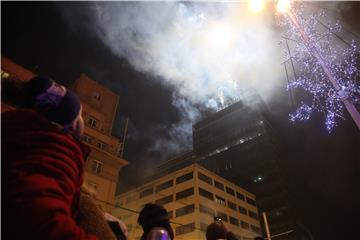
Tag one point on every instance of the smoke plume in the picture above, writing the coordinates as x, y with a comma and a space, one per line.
209, 52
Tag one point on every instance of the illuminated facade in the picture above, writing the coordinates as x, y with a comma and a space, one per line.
105, 161
193, 196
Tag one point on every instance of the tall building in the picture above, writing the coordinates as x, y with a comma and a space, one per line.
193, 196
239, 144
105, 161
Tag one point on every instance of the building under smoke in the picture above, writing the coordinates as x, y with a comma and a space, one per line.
239, 144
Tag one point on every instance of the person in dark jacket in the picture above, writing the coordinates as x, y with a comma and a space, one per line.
44, 164
155, 221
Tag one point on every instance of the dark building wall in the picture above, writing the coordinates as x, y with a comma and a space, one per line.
239, 144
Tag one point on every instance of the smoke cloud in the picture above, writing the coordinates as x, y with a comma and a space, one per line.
209, 52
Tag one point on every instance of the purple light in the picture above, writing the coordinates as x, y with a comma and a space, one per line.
340, 58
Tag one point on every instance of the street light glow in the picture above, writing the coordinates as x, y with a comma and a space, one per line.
283, 6
256, 5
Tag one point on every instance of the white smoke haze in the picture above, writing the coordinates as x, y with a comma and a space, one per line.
210, 52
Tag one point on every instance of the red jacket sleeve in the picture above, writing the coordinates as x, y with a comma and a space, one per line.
43, 178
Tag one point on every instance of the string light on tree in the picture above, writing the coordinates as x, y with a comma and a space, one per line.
326, 65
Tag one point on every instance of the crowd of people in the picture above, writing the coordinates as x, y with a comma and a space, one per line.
44, 168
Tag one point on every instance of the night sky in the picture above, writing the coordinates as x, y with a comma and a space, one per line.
322, 168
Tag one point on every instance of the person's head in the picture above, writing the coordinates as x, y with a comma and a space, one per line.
154, 216
56, 103
216, 230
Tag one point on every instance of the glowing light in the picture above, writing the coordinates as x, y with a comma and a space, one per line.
256, 5
219, 35
283, 6
341, 61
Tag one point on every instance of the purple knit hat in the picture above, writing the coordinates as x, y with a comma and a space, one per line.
62, 106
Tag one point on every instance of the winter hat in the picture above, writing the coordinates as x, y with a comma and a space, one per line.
54, 101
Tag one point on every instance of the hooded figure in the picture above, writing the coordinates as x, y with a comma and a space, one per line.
155, 223
44, 163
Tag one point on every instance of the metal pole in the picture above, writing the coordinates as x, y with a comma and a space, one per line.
266, 226
124, 137
315, 52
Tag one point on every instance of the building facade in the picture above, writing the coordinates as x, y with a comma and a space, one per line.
193, 196
99, 106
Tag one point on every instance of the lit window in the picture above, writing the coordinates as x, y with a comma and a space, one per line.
220, 200
258, 179
97, 166
92, 122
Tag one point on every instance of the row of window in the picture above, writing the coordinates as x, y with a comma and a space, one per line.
232, 220
91, 141
166, 185
221, 201
201, 176
227, 189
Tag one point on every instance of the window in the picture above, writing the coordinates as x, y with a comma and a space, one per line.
203, 227
185, 210
187, 228
206, 194
184, 178
244, 225
242, 210
101, 145
164, 185
87, 139
170, 214
233, 221
250, 201
240, 196
97, 166
92, 122
220, 200
186, 193
223, 216
253, 215
232, 205
146, 192
205, 178
165, 200
206, 210
219, 185
255, 229
230, 191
